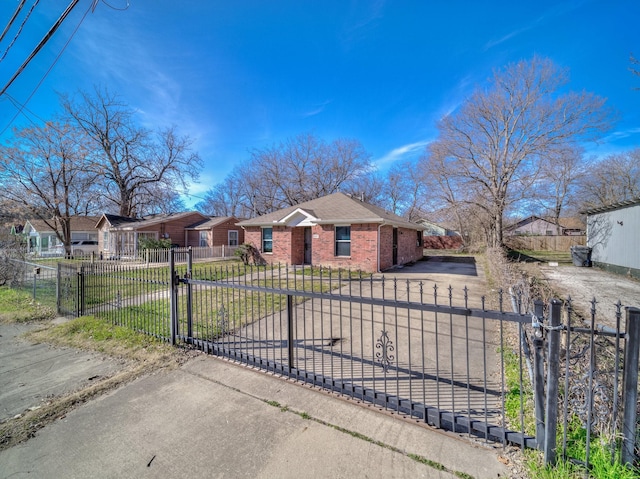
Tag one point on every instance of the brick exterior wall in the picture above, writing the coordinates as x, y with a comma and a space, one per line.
174, 228
288, 246
218, 235
442, 242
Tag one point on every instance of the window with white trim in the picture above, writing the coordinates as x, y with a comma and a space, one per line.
204, 238
267, 240
233, 237
343, 241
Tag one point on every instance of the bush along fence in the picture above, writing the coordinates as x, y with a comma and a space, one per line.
436, 354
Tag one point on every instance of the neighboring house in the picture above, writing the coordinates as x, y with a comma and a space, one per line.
43, 241
119, 235
612, 235
434, 229
336, 231
215, 231
538, 226
436, 236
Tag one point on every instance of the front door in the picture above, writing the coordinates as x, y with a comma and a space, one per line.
395, 247
307, 245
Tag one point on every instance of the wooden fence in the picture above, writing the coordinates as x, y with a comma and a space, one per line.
545, 243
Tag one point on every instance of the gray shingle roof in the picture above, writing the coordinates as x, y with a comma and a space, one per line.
333, 209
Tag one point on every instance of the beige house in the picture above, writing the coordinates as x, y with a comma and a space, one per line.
539, 226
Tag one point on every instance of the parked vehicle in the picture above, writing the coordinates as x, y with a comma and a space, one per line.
84, 247
78, 248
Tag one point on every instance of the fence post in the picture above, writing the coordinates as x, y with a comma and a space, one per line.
290, 331
189, 291
173, 321
80, 295
630, 384
58, 289
552, 383
538, 372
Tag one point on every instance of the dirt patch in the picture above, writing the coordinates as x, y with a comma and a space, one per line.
583, 285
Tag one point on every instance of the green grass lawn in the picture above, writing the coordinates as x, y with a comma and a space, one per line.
19, 306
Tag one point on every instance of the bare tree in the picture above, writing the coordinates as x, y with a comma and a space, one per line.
612, 179
491, 148
369, 187
42, 171
559, 176
131, 161
405, 192
226, 199
300, 169
635, 67
157, 198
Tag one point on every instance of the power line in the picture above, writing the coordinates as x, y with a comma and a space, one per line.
19, 29
13, 19
44, 40
23, 106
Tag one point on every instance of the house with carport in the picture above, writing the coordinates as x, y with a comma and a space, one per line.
119, 236
337, 231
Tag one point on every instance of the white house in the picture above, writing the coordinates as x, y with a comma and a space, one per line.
612, 235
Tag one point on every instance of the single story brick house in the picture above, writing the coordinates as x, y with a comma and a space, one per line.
336, 231
120, 235
215, 231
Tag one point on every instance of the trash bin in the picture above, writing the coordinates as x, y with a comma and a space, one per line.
581, 255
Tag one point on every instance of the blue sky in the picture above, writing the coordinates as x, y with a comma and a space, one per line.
238, 75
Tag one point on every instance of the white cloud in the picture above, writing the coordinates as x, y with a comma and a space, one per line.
554, 11
410, 150
317, 110
618, 135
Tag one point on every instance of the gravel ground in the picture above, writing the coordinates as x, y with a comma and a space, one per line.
584, 284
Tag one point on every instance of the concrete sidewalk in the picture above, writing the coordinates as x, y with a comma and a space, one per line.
213, 418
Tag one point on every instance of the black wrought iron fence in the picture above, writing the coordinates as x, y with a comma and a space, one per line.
37, 279
438, 355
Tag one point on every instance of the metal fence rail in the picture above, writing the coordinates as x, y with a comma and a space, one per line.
134, 297
438, 355
40, 281
376, 340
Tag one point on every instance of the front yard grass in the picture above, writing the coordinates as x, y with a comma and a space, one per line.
19, 306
